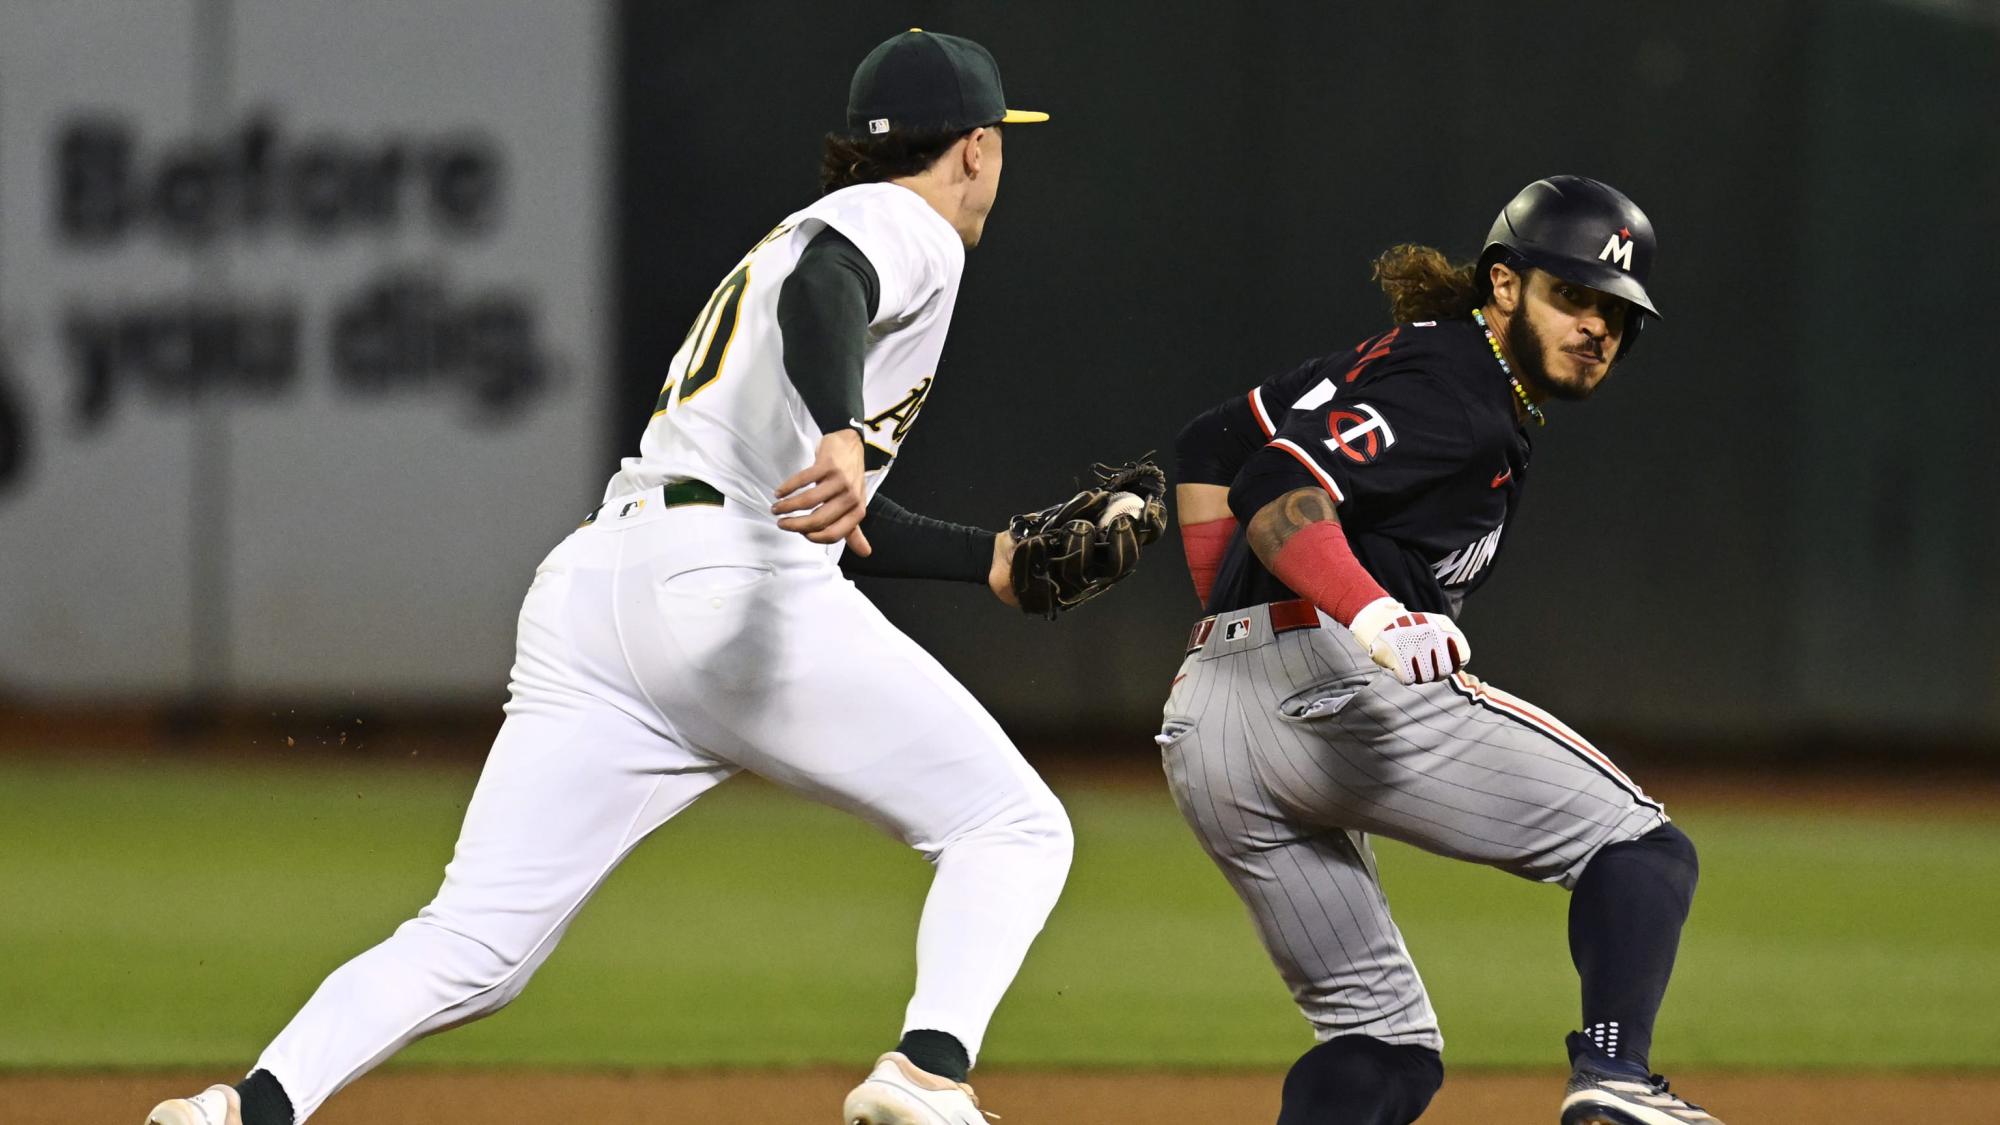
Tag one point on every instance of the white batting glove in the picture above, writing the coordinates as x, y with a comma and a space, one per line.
1420, 648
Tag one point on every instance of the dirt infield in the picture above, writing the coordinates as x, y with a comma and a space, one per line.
1023, 1098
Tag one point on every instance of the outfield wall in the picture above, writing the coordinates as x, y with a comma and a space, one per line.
320, 323
304, 317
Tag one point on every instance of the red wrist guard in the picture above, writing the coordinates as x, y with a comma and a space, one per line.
1317, 564
1204, 544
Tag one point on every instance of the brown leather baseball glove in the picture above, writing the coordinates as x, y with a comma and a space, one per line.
1069, 553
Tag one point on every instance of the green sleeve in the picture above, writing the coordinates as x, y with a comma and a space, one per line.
823, 312
907, 545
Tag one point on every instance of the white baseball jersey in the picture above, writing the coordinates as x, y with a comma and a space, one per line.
729, 415
663, 648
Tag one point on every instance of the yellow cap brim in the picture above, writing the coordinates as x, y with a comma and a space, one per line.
1023, 117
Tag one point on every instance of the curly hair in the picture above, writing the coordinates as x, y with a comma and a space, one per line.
1422, 284
847, 160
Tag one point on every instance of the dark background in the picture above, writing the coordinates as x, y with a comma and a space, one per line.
1772, 532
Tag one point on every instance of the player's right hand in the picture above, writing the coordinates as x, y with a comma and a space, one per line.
832, 492
1420, 648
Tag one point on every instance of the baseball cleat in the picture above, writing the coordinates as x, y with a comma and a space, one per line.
896, 1092
1607, 1091
217, 1105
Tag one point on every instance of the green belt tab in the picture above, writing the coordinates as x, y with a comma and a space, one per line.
689, 492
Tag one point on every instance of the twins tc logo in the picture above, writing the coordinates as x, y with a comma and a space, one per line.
1360, 435
1618, 248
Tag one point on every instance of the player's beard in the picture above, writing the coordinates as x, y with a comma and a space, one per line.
1527, 349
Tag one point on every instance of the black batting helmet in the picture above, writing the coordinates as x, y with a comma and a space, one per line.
1584, 232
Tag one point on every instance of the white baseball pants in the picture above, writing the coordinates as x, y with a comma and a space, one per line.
659, 652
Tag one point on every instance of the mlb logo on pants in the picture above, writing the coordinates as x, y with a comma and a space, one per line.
1236, 630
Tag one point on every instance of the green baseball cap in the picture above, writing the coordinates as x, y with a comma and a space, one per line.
924, 80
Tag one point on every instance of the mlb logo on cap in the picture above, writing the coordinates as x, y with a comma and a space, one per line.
879, 125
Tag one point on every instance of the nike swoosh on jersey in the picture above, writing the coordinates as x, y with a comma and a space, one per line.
1502, 478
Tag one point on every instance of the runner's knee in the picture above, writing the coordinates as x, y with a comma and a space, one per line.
1360, 1080
1664, 854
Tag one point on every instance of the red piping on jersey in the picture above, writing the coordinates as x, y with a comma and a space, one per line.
1325, 481
1263, 418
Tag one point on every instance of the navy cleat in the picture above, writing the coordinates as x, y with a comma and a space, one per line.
1607, 1091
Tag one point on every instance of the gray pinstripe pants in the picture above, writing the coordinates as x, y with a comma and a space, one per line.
1286, 751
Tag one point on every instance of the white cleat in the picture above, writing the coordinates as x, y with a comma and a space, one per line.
896, 1092
217, 1105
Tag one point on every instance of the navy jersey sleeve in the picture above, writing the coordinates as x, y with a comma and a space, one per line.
1367, 443
1309, 385
1212, 448
1272, 400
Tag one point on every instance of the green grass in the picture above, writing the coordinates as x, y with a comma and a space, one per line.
164, 913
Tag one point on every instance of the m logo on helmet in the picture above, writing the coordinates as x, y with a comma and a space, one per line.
1618, 248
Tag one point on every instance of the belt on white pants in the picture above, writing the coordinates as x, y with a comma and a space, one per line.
673, 494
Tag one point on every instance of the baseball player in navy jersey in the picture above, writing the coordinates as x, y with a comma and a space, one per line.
699, 624
1336, 518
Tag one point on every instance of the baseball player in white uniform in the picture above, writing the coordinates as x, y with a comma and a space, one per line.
699, 623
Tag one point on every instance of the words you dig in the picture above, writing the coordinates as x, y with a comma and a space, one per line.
405, 328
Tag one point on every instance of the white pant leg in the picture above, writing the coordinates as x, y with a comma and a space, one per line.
579, 774
787, 670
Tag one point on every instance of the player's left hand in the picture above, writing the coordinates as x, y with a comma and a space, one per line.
1420, 648
832, 492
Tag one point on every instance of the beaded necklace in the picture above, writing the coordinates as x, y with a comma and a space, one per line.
1520, 391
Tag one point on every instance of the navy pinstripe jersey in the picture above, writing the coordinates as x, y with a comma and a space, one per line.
1415, 436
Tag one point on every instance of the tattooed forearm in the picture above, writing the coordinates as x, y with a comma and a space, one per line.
1282, 518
